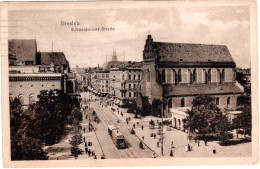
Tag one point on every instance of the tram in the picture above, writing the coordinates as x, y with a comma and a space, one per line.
117, 138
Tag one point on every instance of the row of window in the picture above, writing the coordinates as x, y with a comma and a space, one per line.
183, 102
21, 99
193, 76
130, 77
130, 94
34, 78
129, 85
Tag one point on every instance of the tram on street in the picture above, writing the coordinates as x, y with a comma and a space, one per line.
117, 138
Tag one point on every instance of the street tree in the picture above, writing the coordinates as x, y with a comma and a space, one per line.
244, 120
75, 141
205, 117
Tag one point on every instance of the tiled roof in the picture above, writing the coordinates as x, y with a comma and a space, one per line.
23, 49
57, 58
181, 52
196, 89
114, 64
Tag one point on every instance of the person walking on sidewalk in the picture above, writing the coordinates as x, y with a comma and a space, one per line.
143, 137
158, 143
171, 153
142, 127
214, 150
154, 154
134, 126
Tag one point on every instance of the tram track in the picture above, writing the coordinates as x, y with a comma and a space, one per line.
126, 153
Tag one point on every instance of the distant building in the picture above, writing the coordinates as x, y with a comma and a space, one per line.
35, 71
176, 73
124, 80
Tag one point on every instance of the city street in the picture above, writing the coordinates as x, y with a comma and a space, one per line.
110, 151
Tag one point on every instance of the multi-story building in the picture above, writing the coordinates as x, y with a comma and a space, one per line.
124, 80
175, 73
36, 71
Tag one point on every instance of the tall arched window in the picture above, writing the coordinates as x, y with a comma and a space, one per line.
194, 75
139, 77
228, 101
21, 99
209, 75
163, 76
174, 77
218, 76
148, 75
190, 76
179, 76
205, 77
134, 77
123, 77
223, 75
182, 102
31, 99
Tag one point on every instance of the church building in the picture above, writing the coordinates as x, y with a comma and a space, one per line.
176, 73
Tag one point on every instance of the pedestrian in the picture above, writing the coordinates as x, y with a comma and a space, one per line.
171, 153
198, 143
158, 143
95, 157
214, 150
172, 146
134, 126
143, 137
141, 145
85, 144
84, 130
86, 150
142, 127
89, 143
89, 152
189, 147
205, 141
154, 136
84, 137
93, 153
86, 117
126, 121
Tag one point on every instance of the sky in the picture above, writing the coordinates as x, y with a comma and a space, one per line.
221, 25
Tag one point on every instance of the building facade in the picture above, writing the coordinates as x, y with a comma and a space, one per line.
124, 81
176, 73
43, 71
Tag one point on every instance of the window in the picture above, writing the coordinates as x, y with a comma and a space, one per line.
205, 77
31, 100
182, 102
134, 86
209, 75
223, 75
228, 101
134, 77
121, 94
148, 75
179, 76
190, 75
163, 76
130, 94
194, 75
217, 100
123, 77
129, 77
129, 86
21, 99
103, 75
139, 77
134, 94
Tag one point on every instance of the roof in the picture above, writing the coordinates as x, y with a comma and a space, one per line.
57, 58
196, 89
114, 64
23, 49
184, 52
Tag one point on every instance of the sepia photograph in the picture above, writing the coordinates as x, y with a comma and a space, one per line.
157, 82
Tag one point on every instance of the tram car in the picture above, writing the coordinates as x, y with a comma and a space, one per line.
117, 138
